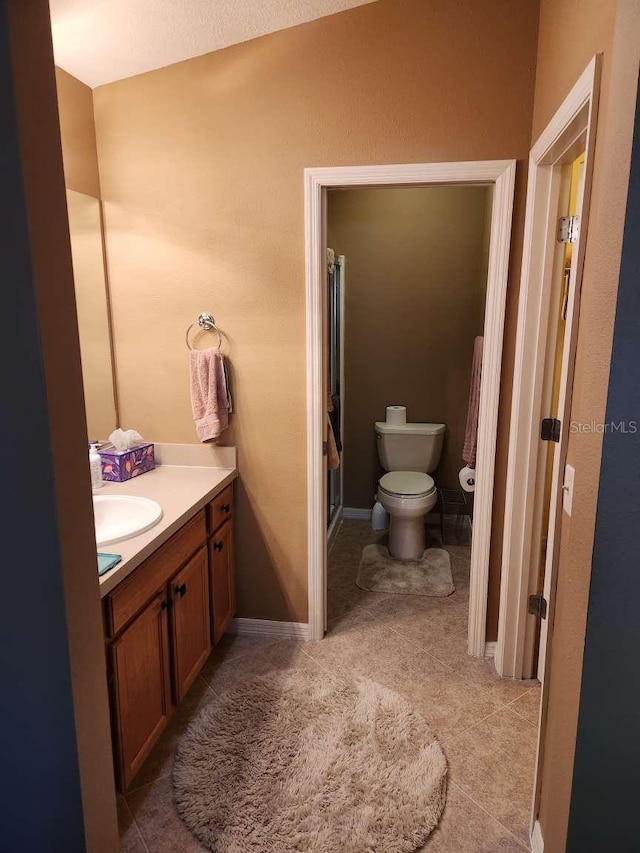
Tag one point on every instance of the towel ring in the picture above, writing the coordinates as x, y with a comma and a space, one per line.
207, 324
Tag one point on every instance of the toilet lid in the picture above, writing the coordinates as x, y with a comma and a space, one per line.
412, 483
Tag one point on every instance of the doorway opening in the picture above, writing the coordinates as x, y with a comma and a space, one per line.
499, 177
402, 334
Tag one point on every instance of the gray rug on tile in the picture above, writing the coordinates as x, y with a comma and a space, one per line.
430, 575
311, 762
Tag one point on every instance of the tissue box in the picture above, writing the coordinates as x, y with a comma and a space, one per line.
121, 465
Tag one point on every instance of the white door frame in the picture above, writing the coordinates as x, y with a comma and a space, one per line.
500, 174
571, 128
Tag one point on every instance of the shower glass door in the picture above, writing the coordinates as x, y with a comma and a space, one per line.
334, 372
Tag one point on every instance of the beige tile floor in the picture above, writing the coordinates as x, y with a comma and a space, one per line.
414, 645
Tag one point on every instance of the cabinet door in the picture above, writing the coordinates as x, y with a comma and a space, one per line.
141, 686
221, 563
191, 621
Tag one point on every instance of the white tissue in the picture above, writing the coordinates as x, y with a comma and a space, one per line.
124, 439
467, 477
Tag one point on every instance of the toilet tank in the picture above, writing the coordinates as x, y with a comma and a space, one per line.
409, 447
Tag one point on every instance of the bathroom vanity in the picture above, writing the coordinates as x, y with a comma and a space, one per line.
170, 599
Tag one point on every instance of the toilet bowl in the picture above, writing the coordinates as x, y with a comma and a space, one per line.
409, 453
407, 496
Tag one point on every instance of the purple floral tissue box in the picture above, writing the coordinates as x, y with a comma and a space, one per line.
121, 465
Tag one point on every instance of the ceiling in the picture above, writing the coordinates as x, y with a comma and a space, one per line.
99, 41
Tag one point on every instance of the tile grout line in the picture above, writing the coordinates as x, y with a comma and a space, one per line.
533, 725
414, 644
141, 787
517, 699
492, 714
270, 640
164, 774
466, 730
493, 817
208, 686
322, 666
134, 790
417, 645
135, 823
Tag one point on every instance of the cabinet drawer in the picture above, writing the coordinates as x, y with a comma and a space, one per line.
220, 509
133, 593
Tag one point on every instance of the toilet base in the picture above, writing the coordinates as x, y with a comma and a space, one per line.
406, 538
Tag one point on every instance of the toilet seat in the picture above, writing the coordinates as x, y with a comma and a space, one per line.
407, 484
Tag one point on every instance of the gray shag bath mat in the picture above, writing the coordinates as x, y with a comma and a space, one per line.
294, 761
430, 575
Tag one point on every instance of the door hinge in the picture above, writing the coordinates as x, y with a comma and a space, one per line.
568, 229
538, 606
325, 448
550, 429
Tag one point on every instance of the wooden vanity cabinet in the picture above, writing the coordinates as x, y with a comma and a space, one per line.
141, 686
191, 622
221, 562
160, 623
222, 579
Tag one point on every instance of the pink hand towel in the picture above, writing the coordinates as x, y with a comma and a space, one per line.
210, 398
471, 433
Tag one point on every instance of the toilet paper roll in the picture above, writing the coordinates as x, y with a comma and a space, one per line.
396, 415
379, 517
467, 477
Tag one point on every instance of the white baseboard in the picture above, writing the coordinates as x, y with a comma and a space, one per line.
356, 512
489, 650
537, 842
268, 628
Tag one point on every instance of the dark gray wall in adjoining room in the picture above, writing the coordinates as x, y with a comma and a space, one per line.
605, 801
40, 805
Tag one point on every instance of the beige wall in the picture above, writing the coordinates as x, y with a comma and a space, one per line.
571, 31
75, 106
40, 151
201, 170
416, 279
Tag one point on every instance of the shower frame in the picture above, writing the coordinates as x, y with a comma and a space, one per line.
335, 340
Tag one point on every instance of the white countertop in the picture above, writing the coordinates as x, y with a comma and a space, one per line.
181, 491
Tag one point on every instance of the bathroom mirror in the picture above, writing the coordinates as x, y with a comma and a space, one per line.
92, 300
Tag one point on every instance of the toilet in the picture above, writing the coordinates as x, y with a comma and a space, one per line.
408, 453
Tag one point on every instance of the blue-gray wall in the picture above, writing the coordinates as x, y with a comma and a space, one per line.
40, 800
605, 801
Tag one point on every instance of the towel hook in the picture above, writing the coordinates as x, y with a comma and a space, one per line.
207, 324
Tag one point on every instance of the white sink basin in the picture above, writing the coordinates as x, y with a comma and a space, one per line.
119, 517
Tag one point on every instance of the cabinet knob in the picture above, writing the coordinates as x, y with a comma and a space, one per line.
181, 590
164, 605
218, 546
226, 507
